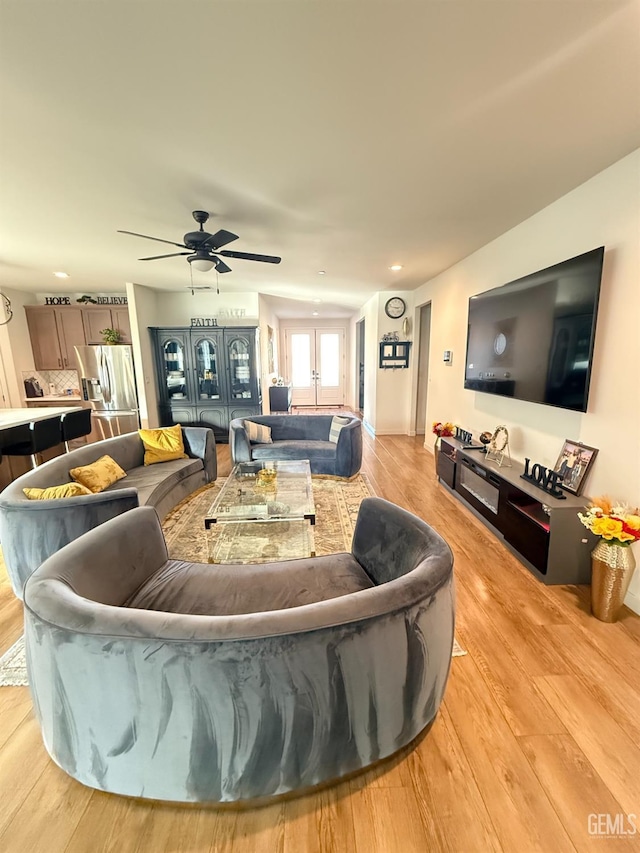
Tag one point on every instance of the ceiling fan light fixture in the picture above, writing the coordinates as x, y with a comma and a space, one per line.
201, 264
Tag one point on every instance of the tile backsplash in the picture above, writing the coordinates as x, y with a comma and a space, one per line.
54, 382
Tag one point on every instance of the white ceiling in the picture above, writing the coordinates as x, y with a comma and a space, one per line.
343, 136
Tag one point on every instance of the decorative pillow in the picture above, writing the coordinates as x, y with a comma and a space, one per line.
258, 433
66, 490
100, 474
162, 445
337, 423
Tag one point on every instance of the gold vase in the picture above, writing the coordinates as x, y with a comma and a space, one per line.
612, 568
436, 450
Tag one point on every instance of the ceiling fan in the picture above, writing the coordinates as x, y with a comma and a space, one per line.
204, 249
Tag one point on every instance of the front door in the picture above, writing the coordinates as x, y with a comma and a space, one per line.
316, 366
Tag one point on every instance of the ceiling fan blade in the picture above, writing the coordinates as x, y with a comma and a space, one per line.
221, 266
157, 239
220, 238
157, 257
247, 256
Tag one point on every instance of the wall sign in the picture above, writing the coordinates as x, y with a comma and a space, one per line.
203, 321
544, 478
86, 300
463, 435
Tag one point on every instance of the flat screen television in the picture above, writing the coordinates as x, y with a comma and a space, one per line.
532, 339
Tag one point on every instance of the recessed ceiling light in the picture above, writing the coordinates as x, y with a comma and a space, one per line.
314, 313
61, 274
395, 267
316, 300
321, 272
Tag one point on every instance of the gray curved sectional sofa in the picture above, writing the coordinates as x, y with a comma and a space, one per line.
302, 437
188, 682
30, 531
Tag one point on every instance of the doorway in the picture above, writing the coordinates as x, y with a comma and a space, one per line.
315, 361
424, 336
360, 363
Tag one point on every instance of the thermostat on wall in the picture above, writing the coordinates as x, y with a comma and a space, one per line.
447, 356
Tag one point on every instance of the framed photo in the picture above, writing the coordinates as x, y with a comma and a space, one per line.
573, 465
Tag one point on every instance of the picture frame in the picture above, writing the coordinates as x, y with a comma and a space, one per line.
574, 463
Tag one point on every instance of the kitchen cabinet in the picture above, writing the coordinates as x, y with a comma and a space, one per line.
207, 376
102, 317
54, 333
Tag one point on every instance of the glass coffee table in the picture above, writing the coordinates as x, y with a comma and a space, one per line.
254, 521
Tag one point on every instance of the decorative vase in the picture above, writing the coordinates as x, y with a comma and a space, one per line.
612, 568
436, 446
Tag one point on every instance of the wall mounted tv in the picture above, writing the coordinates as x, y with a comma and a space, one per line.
532, 339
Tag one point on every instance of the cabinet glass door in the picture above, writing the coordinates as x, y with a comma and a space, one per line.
174, 364
206, 354
239, 356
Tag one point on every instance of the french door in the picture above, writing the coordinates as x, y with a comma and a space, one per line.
316, 366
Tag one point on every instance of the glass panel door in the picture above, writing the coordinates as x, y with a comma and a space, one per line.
316, 366
330, 371
206, 350
175, 376
301, 355
239, 354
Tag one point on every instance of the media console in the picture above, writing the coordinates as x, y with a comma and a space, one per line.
544, 532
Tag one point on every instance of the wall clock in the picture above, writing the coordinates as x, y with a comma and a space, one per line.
395, 307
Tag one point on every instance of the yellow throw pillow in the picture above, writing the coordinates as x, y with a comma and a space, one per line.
162, 445
100, 474
66, 490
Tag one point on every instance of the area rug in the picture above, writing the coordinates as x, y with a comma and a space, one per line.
13, 667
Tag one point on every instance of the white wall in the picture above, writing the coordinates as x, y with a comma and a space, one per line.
177, 308
143, 312
603, 211
268, 319
15, 347
388, 391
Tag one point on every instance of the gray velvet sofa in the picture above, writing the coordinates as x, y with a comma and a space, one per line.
190, 682
30, 530
302, 437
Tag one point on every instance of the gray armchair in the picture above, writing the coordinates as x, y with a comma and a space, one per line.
235, 682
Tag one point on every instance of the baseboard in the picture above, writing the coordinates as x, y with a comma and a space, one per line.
369, 428
632, 601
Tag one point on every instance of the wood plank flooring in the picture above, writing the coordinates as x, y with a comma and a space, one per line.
540, 727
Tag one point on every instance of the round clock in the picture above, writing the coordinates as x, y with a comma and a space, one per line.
395, 307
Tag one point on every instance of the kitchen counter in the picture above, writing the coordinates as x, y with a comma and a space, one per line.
52, 398
19, 417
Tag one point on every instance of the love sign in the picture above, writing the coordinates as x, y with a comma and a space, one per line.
544, 478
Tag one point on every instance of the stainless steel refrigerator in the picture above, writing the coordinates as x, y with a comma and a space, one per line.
108, 383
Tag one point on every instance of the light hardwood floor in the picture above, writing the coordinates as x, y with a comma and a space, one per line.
540, 727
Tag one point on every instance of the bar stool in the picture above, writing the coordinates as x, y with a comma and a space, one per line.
31, 439
75, 425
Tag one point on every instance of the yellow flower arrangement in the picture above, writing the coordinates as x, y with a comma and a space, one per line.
617, 524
